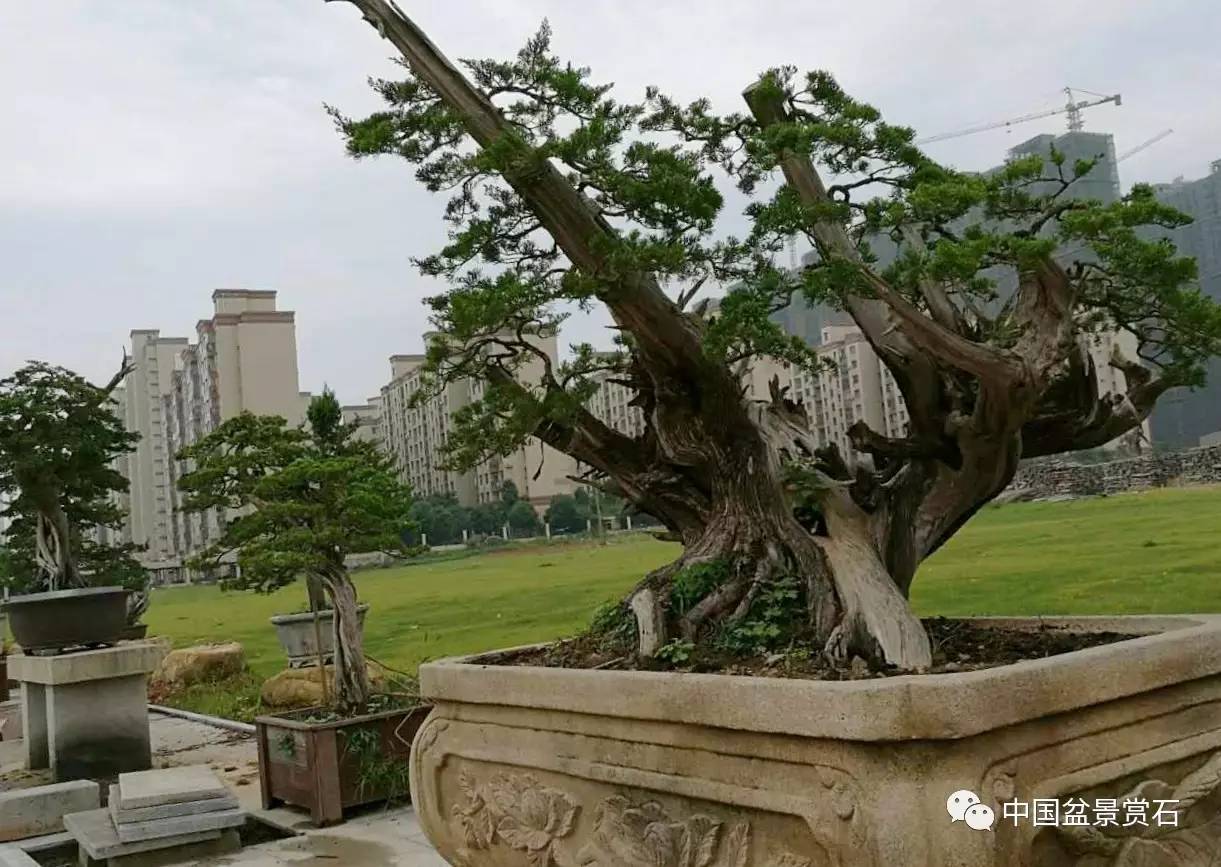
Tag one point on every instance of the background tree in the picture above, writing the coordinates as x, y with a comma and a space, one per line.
59, 437
564, 515
440, 518
522, 519
296, 503
563, 195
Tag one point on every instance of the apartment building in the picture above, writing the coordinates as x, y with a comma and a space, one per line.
147, 466
367, 417
243, 358
612, 404
414, 435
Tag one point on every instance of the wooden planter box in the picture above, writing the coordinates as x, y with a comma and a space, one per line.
327, 767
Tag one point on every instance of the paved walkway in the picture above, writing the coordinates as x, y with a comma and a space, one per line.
381, 838
374, 838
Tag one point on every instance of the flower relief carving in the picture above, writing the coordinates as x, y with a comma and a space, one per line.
517, 811
1153, 845
627, 835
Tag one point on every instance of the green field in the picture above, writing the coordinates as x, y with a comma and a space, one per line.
1153, 552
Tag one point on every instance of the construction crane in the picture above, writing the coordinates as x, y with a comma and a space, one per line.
1073, 109
1140, 147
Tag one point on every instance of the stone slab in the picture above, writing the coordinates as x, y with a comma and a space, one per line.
11, 856
169, 786
177, 826
95, 834
41, 809
167, 811
45, 843
123, 660
188, 853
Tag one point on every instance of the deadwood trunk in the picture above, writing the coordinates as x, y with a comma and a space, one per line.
351, 678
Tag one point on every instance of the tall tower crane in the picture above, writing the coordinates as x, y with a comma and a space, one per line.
1072, 108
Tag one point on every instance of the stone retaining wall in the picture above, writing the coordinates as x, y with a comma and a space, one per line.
1054, 478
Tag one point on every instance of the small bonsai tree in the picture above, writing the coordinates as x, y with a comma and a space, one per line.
59, 438
564, 196
296, 502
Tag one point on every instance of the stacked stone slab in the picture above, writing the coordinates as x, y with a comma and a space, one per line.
160, 817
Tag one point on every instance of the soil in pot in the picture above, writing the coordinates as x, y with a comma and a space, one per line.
958, 645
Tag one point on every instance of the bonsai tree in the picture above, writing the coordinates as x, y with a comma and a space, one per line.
296, 502
59, 438
562, 195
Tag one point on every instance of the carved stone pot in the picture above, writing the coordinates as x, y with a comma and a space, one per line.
531, 766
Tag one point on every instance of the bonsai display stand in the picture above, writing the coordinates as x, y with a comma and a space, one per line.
85, 715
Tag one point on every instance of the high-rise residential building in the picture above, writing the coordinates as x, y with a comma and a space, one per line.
367, 417
147, 467
612, 404
244, 358
414, 435
1184, 416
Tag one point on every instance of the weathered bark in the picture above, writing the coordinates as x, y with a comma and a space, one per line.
53, 548
46, 551
315, 590
351, 681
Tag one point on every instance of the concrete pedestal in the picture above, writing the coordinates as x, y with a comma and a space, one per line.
85, 715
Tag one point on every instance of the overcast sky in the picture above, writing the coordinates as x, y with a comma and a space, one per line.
154, 150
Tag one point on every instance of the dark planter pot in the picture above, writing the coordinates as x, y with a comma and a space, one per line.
134, 632
327, 767
67, 618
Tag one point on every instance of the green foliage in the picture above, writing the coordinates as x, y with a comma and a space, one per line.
440, 518
776, 614
298, 501
59, 438
522, 519
676, 652
696, 581
377, 773
609, 617
654, 171
565, 515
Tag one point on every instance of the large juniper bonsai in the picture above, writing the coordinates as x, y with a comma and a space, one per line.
562, 194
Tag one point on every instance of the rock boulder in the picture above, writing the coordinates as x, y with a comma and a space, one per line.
206, 662
301, 687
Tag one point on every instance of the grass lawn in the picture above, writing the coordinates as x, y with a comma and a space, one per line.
431, 609
1152, 552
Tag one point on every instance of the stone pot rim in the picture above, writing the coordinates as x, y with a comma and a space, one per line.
325, 614
1170, 649
73, 593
